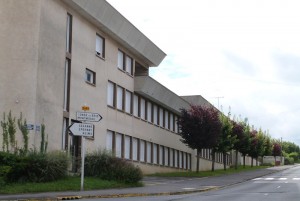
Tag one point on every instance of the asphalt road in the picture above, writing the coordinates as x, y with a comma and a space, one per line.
281, 186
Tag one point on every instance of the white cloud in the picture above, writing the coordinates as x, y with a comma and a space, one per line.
245, 51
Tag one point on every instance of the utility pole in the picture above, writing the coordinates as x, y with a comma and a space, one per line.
218, 97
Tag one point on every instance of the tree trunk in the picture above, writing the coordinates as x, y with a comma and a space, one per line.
251, 161
213, 156
244, 160
198, 156
224, 160
236, 159
257, 161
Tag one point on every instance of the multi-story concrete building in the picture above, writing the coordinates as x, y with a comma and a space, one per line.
59, 55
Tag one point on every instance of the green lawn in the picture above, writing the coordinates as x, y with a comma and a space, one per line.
208, 173
91, 183
67, 184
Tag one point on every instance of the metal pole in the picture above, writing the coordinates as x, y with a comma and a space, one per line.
82, 161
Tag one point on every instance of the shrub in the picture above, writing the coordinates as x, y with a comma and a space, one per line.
38, 167
8, 159
288, 161
103, 165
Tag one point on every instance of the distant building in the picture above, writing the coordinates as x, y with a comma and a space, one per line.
59, 55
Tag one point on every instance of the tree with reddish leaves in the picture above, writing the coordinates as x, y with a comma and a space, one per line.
200, 128
276, 150
253, 151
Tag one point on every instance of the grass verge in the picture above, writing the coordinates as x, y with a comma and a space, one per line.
208, 173
67, 184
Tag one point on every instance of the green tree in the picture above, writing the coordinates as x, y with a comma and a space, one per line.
245, 141
200, 128
238, 131
226, 140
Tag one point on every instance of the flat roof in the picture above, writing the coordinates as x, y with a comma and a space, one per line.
108, 19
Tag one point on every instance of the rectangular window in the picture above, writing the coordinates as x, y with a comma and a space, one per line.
109, 141
142, 108
135, 105
149, 111
175, 158
67, 84
134, 149
171, 122
128, 102
128, 65
155, 154
118, 145
166, 119
125, 62
161, 155
69, 33
171, 157
90, 76
189, 161
149, 152
180, 159
161, 117
110, 94
100, 46
155, 115
142, 150
184, 160
120, 60
127, 147
166, 156
176, 124
120, 91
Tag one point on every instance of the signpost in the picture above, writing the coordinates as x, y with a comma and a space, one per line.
84, 130
88, 116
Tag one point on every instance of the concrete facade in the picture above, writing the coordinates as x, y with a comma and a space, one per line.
139, 125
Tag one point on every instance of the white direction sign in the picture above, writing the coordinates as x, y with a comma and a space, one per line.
82, 129
88, 116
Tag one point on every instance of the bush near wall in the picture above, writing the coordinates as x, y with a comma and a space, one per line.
105, 166
33, 167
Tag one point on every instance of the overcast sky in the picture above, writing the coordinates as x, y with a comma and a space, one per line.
247, 52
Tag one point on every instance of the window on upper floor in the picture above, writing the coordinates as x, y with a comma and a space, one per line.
125, 62
111, 94
120, 98
90, 76
100, 46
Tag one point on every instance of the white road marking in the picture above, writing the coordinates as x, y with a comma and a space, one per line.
278, 186
281, 179
269, 179
188, 188
296, 179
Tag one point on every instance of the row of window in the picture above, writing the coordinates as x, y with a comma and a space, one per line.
126, 101
131, 148
206, 153
125, 62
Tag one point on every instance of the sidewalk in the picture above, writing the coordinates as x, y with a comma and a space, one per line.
155, 186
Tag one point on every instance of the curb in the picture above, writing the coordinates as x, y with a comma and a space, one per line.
205, 189
152, 194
